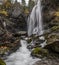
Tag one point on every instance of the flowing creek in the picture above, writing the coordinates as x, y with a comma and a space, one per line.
21, 56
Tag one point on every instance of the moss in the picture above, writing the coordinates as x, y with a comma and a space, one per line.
4, 12
53, 47
51, 38
40, 52
36, 50
56, 13
54, 28
2, 62
29, 40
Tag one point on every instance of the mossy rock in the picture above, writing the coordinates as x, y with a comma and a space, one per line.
54, 28
2, 62
4, 50
52, 38
56, 13
29, 40
39, 52
53, 47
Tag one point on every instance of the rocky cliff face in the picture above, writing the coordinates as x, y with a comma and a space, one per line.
49, 10
50, 14
10, 25
51, 21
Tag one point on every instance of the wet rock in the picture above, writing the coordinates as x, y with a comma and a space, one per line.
29, 40
39, 52
52, 37
21, 33
31, 46
18, 24
16, 8
55, 21
8, 44
2, 62
8, 48
48, 61
35, 42
49, 10
4, 50
53, 47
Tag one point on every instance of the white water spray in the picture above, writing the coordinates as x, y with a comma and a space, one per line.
35, 20
21, 57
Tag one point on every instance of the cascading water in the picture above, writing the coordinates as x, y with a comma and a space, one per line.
21, 57
35, 25
35, 20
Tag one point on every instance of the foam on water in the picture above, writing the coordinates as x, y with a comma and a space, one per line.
21, 57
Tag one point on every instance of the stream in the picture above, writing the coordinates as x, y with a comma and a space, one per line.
21, 56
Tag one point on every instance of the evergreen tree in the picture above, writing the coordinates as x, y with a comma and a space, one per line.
23, 2
31, 5
9, 1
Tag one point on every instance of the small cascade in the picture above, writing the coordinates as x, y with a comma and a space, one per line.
35, 24
21, 57
35, 20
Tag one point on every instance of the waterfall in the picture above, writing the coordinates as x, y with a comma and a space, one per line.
21, 56
35, 20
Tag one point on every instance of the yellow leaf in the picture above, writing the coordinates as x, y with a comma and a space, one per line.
56, 14
4, 12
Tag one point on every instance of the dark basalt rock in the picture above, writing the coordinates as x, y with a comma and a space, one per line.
2, 62
48, 61
7, 48
53, 47
39, 52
